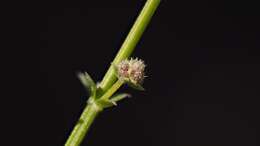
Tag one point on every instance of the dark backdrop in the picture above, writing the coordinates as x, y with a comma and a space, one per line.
202, 61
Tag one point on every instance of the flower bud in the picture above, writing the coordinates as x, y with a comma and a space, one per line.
123, 68
131, 70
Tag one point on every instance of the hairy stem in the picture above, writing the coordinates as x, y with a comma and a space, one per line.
131, 40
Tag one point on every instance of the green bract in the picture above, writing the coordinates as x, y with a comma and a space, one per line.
88, 83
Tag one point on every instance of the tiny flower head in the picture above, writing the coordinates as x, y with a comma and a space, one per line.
131, 71
122, 69
136, 72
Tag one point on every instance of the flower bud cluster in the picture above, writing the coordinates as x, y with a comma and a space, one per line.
131, 70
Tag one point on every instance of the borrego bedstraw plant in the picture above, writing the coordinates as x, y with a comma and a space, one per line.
122, 71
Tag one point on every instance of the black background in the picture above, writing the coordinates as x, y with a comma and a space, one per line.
202, 61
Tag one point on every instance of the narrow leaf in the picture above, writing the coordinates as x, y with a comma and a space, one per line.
88, 83
120, 96
106, 103
135, 86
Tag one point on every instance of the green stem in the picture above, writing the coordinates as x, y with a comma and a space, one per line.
130, 41
88, 116
112, 90
83, 125
92, 110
